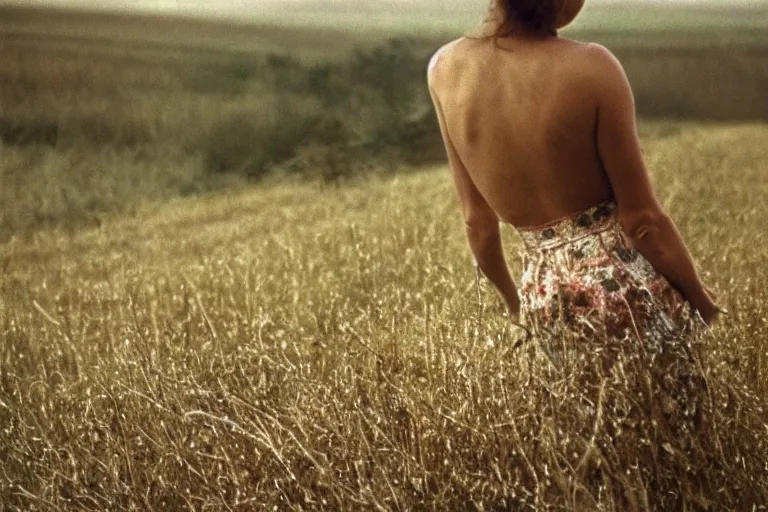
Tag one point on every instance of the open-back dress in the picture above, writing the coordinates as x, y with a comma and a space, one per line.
625, 384
595, 304
583, 281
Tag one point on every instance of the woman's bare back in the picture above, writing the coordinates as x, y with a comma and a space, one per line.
541, 133
538, 129
522, 117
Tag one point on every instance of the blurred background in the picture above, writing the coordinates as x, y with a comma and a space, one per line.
106, 105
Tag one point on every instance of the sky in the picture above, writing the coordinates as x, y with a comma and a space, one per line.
194, 5
263, 9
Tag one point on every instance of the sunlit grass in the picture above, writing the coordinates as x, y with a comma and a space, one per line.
301, 346
308, 347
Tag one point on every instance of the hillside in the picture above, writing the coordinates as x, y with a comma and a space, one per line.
437, 16
328, 348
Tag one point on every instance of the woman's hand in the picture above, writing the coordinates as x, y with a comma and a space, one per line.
513, 305
707, 306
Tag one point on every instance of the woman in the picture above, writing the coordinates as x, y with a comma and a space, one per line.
540, 133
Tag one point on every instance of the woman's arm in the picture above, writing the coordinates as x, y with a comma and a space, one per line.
481, 222
652, 231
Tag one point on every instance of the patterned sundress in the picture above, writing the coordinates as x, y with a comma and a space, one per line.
583, 282
623, 390
613, 335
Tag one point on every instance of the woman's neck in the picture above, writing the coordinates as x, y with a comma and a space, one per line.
513, 28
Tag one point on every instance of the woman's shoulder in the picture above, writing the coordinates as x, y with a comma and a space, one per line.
590, 64
440, 56
593, 55
578, 52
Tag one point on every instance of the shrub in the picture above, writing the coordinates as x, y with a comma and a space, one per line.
251, 143
223, 76
23, 132
328, 154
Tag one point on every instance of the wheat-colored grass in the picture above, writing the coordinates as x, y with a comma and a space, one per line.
305, 347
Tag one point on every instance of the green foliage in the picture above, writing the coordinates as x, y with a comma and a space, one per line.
394, 74
227, 76
374, 106
249, 143
222, 115
15, 132
86, 185
721, 84
254, 143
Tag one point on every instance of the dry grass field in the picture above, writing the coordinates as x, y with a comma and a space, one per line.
178, 335
308, 347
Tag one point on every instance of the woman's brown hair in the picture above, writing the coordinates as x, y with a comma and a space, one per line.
539, 16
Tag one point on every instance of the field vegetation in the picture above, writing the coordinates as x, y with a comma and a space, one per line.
313, 347
102, 112
233, 277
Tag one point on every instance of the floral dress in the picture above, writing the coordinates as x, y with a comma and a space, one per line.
583, 281
620, 384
